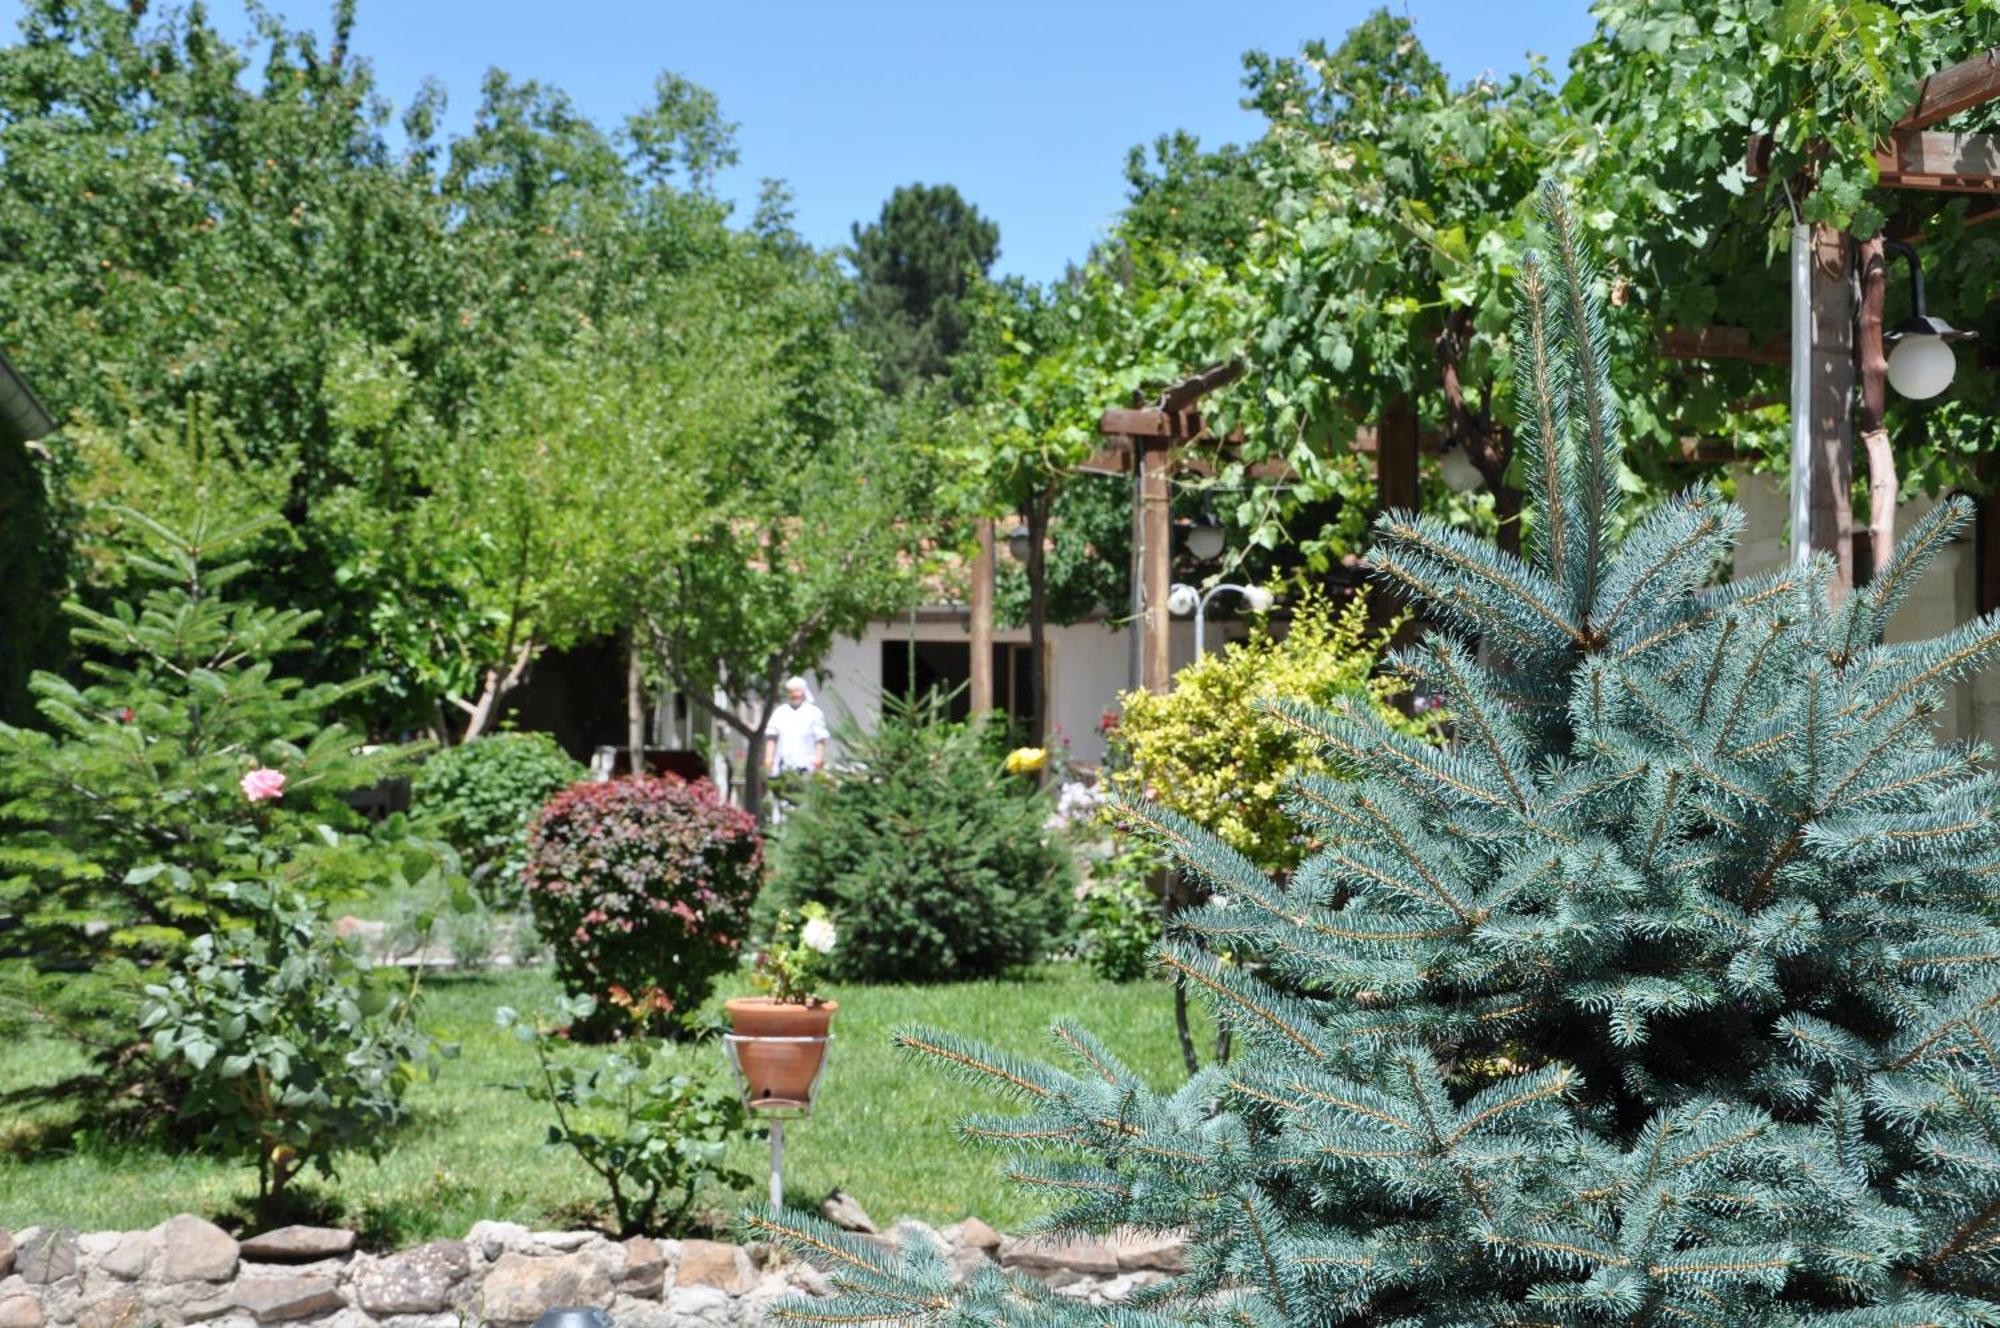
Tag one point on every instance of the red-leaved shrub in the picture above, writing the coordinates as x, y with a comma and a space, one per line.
642, 884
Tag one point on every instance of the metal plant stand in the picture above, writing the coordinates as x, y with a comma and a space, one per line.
777, 1111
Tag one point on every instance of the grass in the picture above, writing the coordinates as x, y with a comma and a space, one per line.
884, 1130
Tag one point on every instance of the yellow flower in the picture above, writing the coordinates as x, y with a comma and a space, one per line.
1026, 760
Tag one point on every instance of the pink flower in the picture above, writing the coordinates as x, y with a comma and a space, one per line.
264, 783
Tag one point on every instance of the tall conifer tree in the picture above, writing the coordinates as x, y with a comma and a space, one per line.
1667, 993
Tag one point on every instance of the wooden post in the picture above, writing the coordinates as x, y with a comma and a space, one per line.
1135, 664
1874, 365
1829, 401
1396, 457
1157, 522
980, 688
1987, 527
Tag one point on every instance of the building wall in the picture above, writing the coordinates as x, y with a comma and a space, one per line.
1947, 595
1089, 665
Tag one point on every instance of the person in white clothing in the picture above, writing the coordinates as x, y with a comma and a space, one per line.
796, 735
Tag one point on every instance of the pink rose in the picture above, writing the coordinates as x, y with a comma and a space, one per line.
264, 783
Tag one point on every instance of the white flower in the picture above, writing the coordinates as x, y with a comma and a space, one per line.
818, 934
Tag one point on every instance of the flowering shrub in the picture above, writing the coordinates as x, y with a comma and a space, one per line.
290, 1048
642, 883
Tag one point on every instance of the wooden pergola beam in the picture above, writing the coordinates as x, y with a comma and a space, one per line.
1961, 87
1723, 343
1955, 163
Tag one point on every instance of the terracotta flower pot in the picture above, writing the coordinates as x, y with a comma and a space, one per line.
780, 1074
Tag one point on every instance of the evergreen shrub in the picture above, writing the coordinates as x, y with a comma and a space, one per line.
642, 883
184, 768
1667, 993
939, 865
481, 796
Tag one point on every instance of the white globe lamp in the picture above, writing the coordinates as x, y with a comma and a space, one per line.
1204, 540
1921, 363
1460, 475
1921, 366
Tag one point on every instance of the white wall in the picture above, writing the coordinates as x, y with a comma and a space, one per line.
1947, 596
1088, 667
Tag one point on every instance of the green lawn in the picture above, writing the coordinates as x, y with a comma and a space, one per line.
883, 1131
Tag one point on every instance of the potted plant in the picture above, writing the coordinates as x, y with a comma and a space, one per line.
780, 1071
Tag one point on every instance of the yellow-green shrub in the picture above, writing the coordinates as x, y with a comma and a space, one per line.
1205, 750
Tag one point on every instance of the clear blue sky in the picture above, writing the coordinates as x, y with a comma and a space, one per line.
1027, 106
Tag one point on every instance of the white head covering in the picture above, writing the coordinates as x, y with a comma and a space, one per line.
799, 682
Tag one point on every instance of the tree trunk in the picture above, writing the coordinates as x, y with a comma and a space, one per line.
635, 705
1874, 363
1038, 608
1489, 448
1507, 511
484, 713
981, 609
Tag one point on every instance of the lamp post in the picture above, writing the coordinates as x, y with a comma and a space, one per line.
1184, 599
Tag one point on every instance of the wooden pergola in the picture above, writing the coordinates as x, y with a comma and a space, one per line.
1836, 341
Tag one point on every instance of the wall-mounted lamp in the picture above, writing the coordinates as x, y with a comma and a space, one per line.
1921, 363
1460, 475
1019, 542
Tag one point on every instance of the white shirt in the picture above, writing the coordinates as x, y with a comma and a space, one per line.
797, 731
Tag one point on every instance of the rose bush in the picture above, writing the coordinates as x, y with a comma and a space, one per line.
642, 883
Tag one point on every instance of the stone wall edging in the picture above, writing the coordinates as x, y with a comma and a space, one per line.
188, 1271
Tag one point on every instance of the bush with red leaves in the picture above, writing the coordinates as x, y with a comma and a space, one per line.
642, 883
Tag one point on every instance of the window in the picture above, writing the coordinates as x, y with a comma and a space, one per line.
926, 666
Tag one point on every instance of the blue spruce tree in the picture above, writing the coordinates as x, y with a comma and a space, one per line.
1667, 993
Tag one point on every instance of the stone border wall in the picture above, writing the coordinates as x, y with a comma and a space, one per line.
189, 1271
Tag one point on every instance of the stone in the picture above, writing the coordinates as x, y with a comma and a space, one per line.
809, 1280
519, 1286
627, 1312
20, 1312
333, 1268
121, 1308
645, 1269
910, 1233
45, 1255
278, 1299
195, 1251
6, 1252
715, 1264
1036, 1254
417, 1281
493, 1239
122, 1254
298, 1244
967, 1260
1164, 1252
845, 1211
703, 1305
975, 1234
562, 1242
